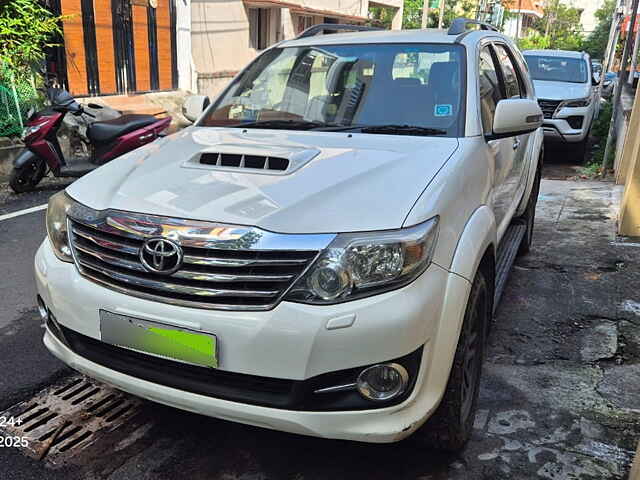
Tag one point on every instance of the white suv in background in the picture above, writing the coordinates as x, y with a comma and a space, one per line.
322, 251
567, 93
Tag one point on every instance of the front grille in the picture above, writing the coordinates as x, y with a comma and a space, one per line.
548, 107
215, 278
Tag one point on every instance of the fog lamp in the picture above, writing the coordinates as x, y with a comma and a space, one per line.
383, 381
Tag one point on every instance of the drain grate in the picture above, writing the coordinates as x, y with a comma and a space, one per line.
67, 417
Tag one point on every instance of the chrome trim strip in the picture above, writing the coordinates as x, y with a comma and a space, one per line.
227, 277
111, 259
101, 242
170, 287
196, 233
337, 388
233, 262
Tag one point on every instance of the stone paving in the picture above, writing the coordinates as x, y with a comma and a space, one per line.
561, 392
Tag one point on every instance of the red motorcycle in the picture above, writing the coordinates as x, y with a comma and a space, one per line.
108, 139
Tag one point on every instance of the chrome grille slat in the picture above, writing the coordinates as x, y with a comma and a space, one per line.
168, 286
226, 277
228, 262
111, 259
102, 242
216, 273
548, 107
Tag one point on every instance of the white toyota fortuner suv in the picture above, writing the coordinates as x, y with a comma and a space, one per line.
322, 251
567, 92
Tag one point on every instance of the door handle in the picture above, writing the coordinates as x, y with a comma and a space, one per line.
516, 143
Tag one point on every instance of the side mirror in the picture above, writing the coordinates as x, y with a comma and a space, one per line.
194, 106
595, 79
515, 116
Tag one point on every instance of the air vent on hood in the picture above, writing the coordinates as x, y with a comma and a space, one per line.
251, 158
259, 162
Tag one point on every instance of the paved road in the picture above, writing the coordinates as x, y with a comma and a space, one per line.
551, 404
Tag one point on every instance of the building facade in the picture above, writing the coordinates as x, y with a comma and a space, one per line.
118, 46
227, 35
113, 47
520, 16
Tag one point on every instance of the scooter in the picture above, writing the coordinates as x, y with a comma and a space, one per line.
108, 139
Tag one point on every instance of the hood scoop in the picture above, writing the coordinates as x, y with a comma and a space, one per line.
271, 160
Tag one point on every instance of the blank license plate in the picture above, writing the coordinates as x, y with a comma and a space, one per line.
174, 343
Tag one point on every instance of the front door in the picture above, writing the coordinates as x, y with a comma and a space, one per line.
503, 152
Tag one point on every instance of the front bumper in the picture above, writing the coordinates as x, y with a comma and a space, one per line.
558, 128
292, 341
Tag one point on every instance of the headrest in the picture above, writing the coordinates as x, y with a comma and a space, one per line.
443, 73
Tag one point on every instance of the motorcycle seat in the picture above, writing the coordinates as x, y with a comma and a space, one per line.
107, 130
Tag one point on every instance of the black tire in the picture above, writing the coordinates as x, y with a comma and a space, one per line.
450, 427
529, 215
25, 178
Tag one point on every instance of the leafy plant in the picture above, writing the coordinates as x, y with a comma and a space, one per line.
26, 29
412, 13
599, 131
596, 42
558, 29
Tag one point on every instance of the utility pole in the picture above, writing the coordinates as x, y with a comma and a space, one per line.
616, 96
441, 17
634, 57
425, 14
519, 19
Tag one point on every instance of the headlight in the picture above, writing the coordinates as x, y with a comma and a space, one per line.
59, 205
579, 102
30, 130
357, 265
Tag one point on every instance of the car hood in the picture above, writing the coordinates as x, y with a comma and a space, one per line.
348, 182
561, 90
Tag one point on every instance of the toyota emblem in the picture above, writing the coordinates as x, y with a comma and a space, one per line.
160, 255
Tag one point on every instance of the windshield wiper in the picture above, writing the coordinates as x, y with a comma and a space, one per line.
285, 124
392, 129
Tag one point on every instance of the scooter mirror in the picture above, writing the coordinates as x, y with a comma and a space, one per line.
194, 106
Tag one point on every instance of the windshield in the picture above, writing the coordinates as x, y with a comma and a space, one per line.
341, 86
557, 69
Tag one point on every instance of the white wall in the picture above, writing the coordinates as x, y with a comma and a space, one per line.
186, 80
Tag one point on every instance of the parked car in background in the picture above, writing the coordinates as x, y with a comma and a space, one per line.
567, 93
322, 251
609, 83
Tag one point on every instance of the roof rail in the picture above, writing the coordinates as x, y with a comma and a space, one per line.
459, 25
321, 27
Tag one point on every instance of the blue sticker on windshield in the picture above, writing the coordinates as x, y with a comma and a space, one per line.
443, 110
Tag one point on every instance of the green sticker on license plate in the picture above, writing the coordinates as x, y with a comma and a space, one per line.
160, 340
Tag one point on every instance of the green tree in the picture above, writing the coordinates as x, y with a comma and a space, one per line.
26, 29
561, 24
596, 43
412, 13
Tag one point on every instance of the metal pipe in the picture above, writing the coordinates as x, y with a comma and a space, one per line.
634, 58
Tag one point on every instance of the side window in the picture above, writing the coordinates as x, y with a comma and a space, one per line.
510, 75
490, 90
